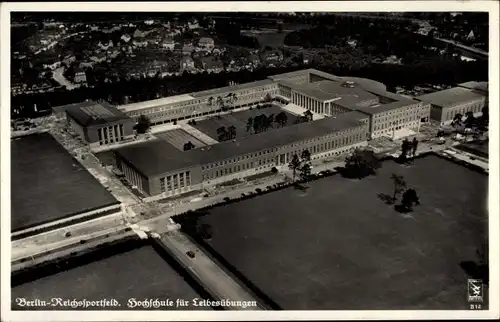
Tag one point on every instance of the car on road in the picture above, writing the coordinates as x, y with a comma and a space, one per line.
190, 254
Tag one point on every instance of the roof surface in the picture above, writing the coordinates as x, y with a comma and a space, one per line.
158, 157
450, 96
386, 107
48, 184
228, 89
156, 102
327, 90
481, 86
63, 108
96, 114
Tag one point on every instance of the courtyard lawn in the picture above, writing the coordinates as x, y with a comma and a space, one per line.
338, 246
239, 120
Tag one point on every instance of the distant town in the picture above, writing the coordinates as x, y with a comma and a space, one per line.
250, 161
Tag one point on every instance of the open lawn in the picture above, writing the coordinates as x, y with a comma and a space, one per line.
337, 245
140, 273
239, 120
49, 184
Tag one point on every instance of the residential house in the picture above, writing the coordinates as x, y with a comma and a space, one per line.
94, 28
141, 42
125, 38
193, 24
211, 64
80, 76
68, 59
168, 44
98, 57
187, 63
187, 48
139, 34
206, 43
149, 22
272, 56
105, 46
52, 66
254, 60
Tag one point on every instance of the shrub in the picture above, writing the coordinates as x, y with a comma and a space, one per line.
258, 190
68, 234
227, 199
274, 170
128, 229
83, 241
243, 195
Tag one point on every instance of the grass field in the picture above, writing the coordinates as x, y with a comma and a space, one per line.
239, 120
49, 184
338, 246
139, 273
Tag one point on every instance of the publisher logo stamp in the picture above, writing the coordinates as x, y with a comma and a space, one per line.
475, 291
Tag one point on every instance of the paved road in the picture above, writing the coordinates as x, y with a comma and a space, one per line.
58, 76
213, 278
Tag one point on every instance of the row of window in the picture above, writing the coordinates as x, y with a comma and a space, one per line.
384, 125
450, 114
237, 168
194, 105
318, 148
176, 181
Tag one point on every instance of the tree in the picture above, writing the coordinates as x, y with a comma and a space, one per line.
294, 165
485, 117
309, 115
414, 146
305, 171
281, 119
362, 163
470, 120
142, 125
457, 119
399, 185
188, 146
270, 120
249, 123
405, 148
222, 133
231, 132
220, 103
409, 199
210, 101
268, 98
306, 156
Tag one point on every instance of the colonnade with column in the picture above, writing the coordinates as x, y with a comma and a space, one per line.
309, 103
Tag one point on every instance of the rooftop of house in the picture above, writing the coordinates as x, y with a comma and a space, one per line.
158, 157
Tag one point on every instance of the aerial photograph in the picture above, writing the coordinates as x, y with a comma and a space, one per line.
254, 161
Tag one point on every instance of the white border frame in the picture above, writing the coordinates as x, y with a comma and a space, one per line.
303, 6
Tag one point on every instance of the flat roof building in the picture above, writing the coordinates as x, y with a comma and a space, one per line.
447, 103
99, 123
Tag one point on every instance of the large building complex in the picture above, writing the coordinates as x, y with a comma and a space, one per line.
352, 110
157, 167
50, 189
